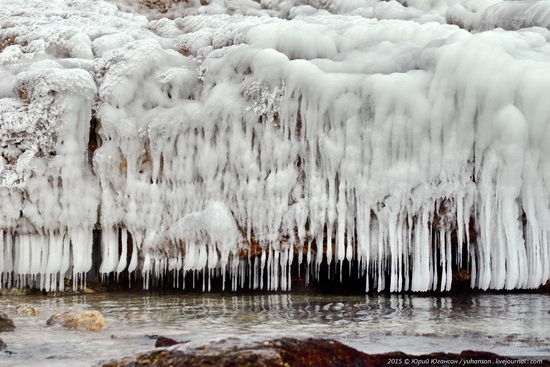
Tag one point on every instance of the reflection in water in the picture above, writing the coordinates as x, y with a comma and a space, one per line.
512, 324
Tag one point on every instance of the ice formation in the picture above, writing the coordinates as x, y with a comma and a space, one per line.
228, 137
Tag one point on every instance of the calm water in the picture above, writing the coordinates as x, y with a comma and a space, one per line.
513, 324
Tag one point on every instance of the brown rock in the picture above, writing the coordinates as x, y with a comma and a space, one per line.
299, 353
165, 342
276, 353
6, 324
78, 319
87, 290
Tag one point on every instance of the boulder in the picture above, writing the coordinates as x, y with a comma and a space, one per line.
6, 324
2, 345
25, 309
298, 353
233, 352
78, 319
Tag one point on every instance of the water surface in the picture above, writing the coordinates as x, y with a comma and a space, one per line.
507, 324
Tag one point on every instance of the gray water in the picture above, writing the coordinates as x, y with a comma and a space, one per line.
508, 324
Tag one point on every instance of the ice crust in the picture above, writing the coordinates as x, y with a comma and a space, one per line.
193, 140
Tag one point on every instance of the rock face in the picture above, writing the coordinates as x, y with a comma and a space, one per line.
78, 319
295, 353
25, 309
6, 324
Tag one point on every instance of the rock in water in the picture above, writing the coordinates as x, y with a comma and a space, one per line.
274, 353
25, 309
165, 342
6, 324
78, 319
298, 353
2, 345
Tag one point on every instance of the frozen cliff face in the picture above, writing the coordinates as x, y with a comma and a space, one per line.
373, 129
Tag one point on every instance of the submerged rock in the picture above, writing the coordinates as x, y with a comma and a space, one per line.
295, 353
6, 324
26, 309
78, 319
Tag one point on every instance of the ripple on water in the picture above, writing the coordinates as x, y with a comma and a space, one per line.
507, 324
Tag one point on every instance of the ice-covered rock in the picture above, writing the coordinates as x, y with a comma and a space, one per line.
508, 15
176, 145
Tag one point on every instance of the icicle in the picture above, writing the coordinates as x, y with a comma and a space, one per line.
81, 250
202, 256
66, 260
349, 251
109, 250
319, 254
283, 262
44, 248
394, 255
9, 258
136, 240
290, 260
124, 254
421, 267
341, 225
146, 270
460, 230
22, 256
54, 259
262, 270
443, 259
400, 255
329, 245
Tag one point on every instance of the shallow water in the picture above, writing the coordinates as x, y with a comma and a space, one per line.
508, 324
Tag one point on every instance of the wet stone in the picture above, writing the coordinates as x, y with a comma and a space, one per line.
78, 319
26, 309
6, 324
295, 353
165, 342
